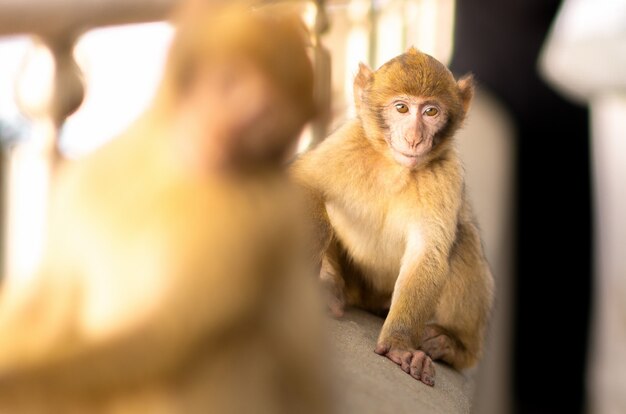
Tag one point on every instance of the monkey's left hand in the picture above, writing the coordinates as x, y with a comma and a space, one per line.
412, 361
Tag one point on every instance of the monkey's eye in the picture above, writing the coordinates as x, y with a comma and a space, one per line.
402, 108
431, 111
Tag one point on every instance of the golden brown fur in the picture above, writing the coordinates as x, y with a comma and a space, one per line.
173, 280
403, 234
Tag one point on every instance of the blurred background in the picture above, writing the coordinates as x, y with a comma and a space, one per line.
544, 147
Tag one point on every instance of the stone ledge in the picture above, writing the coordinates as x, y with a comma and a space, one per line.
368, 383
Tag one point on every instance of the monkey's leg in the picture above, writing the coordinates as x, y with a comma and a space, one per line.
332, 280
455, 336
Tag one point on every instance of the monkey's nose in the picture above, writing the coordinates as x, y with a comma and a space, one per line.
414, 142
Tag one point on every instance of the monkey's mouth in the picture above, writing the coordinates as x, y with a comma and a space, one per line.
403, 158
404, 154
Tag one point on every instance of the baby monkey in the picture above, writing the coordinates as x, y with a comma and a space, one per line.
172, 276
401, 233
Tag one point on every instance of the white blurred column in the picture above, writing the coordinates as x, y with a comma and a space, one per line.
608, 358
585, 58
49, 88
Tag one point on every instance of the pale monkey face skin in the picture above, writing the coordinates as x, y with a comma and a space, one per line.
413, 122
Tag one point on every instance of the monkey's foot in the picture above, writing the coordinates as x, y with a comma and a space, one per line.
336, 307
439, 346
334, 298
416, 363
334, 289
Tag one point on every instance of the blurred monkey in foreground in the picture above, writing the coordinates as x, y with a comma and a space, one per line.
172, 279
390, 184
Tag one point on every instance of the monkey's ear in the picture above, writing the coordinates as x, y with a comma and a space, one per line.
360, 82
466, 90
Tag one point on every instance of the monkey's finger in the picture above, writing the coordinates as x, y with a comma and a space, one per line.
422, 368
396, 357
428, 371
406, 362
417, 363
401, 357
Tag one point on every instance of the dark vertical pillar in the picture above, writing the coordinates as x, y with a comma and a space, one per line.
499, 41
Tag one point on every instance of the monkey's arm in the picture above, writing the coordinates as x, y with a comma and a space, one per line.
423, 271
417, 289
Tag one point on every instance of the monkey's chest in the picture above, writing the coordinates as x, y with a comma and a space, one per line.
374, 242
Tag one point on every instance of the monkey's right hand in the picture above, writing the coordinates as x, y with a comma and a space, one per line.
414, 362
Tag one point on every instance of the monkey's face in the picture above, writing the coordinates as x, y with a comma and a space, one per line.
412, 124
410, 105
269, 134
240, 117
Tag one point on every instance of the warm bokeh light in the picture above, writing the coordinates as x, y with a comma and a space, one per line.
122, 66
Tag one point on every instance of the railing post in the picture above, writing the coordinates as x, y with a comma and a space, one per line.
48, 90
322, 62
